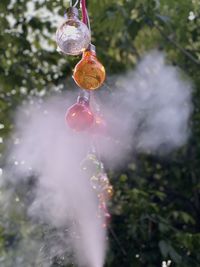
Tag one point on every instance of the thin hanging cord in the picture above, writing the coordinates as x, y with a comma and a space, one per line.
85, 17
85, 94
76, 3
84, 11
88, 21
117, 241
71, 3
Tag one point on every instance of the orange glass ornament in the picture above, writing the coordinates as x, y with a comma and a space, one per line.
89, 73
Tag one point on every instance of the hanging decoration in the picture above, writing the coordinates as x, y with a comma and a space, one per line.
100, 184
73, 37
79, 116
89, 73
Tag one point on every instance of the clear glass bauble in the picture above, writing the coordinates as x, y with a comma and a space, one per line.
73, 36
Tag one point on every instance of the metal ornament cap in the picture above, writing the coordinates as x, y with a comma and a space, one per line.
72, 12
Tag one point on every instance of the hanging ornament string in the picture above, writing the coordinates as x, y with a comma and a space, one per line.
85, 16
89, 74
84, 11
71, 3
88, 21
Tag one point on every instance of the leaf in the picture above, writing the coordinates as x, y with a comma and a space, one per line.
174, 255
164, 248
187, 218
163, 227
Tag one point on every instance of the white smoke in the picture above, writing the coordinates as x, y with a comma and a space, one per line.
64, 195
147, 110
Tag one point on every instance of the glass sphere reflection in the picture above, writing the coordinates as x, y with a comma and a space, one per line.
89, 73
73, 36
79, 117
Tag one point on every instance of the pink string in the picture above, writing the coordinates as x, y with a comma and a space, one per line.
84, 11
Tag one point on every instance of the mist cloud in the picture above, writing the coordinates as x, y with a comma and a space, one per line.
148, 109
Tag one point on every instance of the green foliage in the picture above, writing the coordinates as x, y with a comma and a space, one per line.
156, 207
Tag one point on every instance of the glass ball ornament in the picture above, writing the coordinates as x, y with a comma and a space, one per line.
103, 211
109, 192
106, 187
89, 73
100, 183
73, 36
79, 116
91, 164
